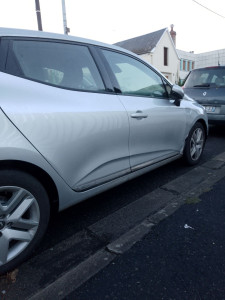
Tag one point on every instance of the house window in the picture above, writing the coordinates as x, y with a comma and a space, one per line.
181, 64
193, 65
184, 65
188, 66
165, 56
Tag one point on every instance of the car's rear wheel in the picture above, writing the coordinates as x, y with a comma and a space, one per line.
24, 216
195, 144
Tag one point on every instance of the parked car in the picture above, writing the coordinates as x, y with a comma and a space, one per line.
207, 87
79, 117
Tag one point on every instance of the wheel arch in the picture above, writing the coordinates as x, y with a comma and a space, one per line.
42, 176
203, 122
204, 126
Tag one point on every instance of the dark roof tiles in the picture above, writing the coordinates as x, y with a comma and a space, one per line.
144, 43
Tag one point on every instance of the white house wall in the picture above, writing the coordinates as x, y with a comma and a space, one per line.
156, 58
148, 57
187, 63
208, 59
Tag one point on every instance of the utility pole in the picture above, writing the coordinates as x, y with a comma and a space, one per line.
38, 12
66, 29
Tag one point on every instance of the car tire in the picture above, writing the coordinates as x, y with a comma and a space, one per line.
195, 144
24, 216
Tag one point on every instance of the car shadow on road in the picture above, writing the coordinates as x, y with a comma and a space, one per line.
217, 130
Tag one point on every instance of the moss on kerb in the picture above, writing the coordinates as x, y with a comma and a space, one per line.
192, 200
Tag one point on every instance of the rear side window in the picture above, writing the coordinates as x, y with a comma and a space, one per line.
1, 61
63, 65
208, 77
134, 77
3, 54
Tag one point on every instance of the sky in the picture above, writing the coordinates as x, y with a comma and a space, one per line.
111, 21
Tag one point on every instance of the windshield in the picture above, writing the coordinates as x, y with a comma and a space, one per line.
208, 77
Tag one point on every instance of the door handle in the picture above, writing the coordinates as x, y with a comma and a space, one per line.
139, 115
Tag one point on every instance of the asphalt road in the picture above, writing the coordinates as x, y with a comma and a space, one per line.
48, 263
181, 258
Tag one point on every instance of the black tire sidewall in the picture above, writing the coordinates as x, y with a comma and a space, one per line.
31, 184
187, 155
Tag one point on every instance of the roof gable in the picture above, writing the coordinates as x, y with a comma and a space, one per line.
144, 43
172, 43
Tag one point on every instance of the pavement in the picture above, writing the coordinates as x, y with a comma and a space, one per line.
172, 249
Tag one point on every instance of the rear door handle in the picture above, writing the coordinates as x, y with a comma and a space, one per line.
139, 115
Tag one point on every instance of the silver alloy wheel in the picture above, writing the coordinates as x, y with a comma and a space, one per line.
196, 143
19, 221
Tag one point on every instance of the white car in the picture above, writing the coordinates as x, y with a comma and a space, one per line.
78, 117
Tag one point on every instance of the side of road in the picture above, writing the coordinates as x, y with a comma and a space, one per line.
130, 224
181, 258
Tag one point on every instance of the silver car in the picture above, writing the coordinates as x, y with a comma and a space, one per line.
78, 117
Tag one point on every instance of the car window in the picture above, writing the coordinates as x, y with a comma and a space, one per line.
1, 58
134, 77
208, 77
168, 87
64, 65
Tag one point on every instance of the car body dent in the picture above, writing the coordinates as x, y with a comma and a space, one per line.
63, 127
16, 148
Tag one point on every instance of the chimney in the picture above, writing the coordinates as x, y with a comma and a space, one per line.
173, 34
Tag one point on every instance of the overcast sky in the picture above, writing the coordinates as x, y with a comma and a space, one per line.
197, 28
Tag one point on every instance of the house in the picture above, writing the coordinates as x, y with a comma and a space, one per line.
157, 48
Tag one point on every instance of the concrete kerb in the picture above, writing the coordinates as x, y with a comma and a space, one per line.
190, 185
202, 179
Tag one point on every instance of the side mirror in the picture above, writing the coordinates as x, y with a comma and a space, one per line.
177, 94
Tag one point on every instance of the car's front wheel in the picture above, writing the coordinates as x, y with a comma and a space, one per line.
195, 144
24, 216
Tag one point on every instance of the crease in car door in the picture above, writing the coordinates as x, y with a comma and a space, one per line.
65, 112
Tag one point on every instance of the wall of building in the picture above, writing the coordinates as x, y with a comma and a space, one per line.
172, 69
148, 57
208, 59
156, 58
187, 63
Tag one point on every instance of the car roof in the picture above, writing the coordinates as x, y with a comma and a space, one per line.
212, 67
13, 32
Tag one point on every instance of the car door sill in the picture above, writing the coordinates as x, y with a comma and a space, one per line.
152, 162
103, 180
95, 183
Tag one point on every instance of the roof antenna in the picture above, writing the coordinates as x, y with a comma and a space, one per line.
38, 12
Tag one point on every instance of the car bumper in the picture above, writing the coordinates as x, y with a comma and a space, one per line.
217, 115
216, 119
